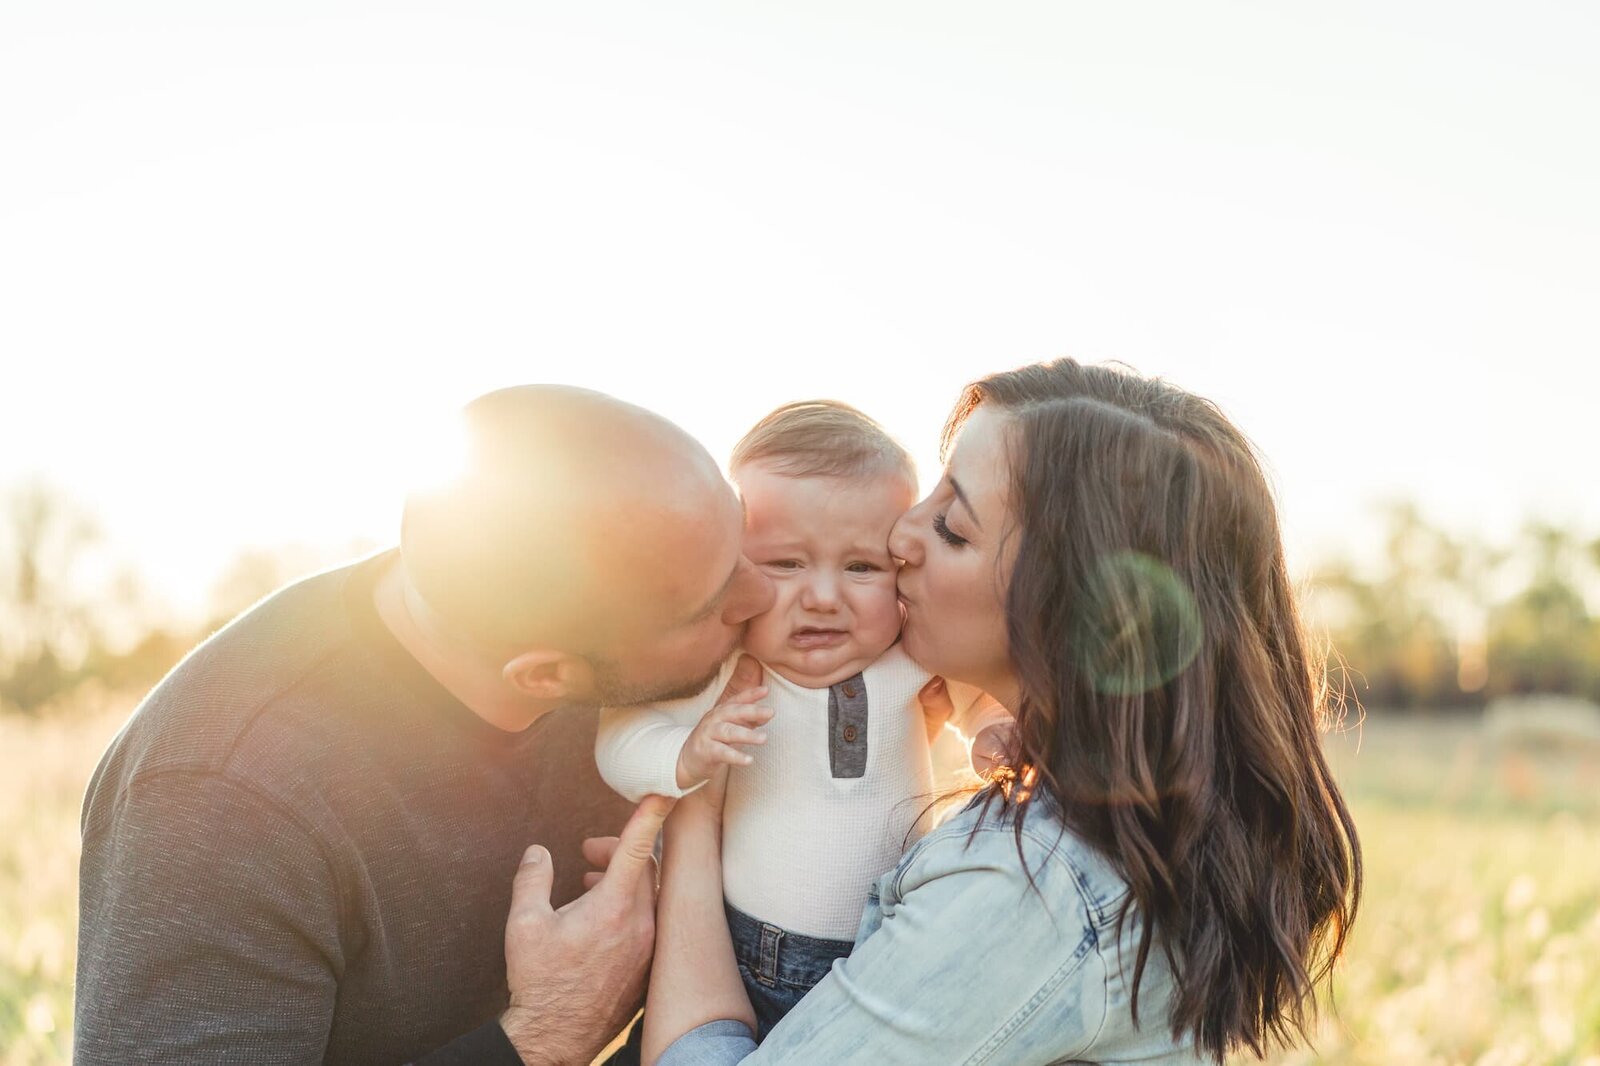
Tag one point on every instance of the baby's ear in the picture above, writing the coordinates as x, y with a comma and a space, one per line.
548, 674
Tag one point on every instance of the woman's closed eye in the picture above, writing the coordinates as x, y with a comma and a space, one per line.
945, 534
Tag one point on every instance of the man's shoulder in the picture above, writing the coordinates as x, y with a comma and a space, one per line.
224, 695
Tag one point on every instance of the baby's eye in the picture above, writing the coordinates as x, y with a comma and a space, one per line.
784, 564
861, 568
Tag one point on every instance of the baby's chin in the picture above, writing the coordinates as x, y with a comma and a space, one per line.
817, 667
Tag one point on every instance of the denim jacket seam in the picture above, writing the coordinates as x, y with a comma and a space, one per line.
1041, 995
1100, 905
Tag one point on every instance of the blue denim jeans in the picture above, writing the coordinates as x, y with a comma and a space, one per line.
778, 966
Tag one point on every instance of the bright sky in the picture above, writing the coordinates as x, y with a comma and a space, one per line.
246, 251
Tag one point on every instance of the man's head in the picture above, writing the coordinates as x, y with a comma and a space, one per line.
591, 546
823, 484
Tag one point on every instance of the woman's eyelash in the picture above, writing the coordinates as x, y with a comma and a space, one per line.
945, 534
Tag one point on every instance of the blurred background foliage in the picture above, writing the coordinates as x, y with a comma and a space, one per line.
1437, 622
1445, 621
70, 615
1471, 761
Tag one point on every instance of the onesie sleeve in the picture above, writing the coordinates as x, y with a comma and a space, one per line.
975, 710
636, 748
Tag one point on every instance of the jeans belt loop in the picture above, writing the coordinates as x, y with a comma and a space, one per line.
770, 936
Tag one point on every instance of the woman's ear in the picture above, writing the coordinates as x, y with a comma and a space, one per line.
548, 674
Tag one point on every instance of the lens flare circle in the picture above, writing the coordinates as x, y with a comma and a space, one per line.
1140, 626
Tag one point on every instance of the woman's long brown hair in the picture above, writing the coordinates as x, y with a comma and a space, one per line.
1170, 702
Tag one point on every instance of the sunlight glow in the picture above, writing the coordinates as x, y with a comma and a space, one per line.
434, 457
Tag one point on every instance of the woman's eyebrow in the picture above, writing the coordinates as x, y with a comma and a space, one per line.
955, 486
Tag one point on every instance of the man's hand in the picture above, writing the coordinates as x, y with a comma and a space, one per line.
578, 974
736, 719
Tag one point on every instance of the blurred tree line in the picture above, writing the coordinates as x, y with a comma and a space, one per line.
67, 616
1447, 621
1438, 621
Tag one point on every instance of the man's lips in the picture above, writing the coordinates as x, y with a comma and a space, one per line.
814, 637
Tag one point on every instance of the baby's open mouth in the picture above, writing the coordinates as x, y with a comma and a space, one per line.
817, 637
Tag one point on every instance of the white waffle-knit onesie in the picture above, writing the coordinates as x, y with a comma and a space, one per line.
826, 806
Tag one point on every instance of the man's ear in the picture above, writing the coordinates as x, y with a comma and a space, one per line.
548, 674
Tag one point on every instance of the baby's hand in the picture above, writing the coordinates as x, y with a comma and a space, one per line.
991, 748
710, 745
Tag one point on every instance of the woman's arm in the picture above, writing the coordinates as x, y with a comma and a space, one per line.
694, 979
969, 963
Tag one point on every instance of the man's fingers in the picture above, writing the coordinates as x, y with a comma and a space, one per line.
597, 851
631, 859
747, 674
591, 879
530, 889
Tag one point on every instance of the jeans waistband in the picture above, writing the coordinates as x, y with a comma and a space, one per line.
775, 955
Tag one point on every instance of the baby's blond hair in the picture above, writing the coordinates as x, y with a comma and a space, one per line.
822, 438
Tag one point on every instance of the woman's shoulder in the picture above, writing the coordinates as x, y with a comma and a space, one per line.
1046, 856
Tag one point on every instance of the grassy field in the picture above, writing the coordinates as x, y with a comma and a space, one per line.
1478, 942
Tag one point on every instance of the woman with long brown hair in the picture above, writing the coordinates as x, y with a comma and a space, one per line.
1168, 871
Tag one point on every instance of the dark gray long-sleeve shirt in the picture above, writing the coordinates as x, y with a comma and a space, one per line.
300, 849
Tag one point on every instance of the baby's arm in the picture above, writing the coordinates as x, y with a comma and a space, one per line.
984, 725
711, 742
636, 748
672, 748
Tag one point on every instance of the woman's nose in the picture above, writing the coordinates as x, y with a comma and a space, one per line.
904, 544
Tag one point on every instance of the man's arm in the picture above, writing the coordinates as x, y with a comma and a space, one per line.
209, 932
208, 928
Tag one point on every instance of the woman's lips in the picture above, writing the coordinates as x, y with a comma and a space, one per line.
818, 638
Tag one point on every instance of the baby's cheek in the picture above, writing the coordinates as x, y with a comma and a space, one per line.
878, 616
766, 635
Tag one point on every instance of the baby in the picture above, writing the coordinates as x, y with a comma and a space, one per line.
844, 770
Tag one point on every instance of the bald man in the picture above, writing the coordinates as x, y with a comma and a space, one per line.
301, 849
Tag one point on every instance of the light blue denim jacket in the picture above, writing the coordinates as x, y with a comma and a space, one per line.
959, 960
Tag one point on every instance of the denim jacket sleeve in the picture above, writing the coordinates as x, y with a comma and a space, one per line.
964, 963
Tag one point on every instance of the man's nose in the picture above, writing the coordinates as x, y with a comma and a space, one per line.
752, 594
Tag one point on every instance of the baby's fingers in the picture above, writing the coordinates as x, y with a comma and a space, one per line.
728, 733
731, 700
731, 756
742, 715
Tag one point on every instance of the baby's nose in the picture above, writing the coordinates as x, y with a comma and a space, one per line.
822, 592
